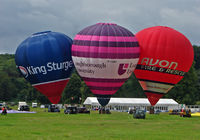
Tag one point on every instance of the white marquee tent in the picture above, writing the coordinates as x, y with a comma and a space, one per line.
123, 104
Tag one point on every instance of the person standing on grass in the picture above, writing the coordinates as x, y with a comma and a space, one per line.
4, 111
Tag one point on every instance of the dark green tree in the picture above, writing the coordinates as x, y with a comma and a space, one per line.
186, 91
72, 92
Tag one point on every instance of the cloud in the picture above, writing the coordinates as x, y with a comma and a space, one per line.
21, 18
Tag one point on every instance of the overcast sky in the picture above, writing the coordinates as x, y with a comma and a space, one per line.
21, 18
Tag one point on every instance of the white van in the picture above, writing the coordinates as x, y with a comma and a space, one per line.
21, 104
34, 105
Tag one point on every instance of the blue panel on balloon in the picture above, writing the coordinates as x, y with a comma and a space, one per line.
45, 57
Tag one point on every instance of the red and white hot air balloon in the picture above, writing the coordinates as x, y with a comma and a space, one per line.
165, 56
105, 55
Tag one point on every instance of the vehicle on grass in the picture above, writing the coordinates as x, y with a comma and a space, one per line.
23, 106
42, 106
185, 113
46, 105
53, 108
139, 114
130, 110
83, 110
157, 112
174, 112
71, 110
34, 105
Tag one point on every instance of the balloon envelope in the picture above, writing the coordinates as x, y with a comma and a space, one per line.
44, 59
166, 55
104, 55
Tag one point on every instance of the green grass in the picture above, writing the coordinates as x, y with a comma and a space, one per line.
58, 126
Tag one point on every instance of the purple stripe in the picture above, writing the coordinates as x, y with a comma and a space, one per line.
91, 49
106, 55
104, 80
105, 30
104, 88
106, 38
105, 43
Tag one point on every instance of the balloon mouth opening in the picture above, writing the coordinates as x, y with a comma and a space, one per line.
103, 99
54, 99
40, 33
153, 97
107, 23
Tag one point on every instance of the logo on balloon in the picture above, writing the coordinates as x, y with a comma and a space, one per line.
122, 68
23, 71
51, 66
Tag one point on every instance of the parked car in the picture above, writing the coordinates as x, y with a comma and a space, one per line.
157, 112
83, 110
130, 110
71, 110
53, 108
139, 114
42, 106
34, 105
174, 112
24, 108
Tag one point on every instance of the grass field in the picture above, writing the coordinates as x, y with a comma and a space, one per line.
58, 126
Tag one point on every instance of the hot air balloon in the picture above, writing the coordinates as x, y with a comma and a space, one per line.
44, 59
104, 55
166, 55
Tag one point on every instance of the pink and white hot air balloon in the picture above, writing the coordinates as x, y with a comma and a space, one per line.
105, 56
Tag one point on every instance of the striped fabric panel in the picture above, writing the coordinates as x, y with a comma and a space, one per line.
105, 38
155, 81
105, 43
101, 92
155, 87
105, 30
109, 40
106, 55
150, 91
94, 49
104, 80
104, 86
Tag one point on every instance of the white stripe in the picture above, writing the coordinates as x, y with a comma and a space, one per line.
107, 68
156, 87
51, 81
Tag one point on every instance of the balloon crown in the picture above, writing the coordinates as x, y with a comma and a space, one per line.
40, 33
107, 23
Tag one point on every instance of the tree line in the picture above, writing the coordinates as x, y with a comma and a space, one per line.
14, 88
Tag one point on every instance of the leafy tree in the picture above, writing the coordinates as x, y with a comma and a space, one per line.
197, 57
72, 92
130, 89
13, 87
186, 91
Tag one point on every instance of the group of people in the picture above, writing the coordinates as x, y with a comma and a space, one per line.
4, 111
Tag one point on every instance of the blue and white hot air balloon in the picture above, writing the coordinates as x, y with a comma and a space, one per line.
44, 59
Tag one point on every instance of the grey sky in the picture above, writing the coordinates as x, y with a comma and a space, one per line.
21, 18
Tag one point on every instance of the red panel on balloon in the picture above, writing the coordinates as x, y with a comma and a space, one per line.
52, 90
153, 98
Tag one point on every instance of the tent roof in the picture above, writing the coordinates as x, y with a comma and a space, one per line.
129, 101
